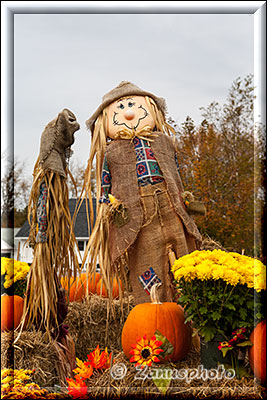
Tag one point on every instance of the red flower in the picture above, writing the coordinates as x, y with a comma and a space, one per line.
239, 331
99, 360
83, 371
233, 340
224, 344
77, 388
238, 335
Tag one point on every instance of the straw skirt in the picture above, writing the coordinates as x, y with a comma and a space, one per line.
162, 230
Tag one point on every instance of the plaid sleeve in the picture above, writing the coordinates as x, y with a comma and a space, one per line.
105, 182
41, 214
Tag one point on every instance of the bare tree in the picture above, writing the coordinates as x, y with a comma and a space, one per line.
78, 172
15, 189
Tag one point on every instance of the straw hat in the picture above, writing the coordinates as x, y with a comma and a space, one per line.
125, 88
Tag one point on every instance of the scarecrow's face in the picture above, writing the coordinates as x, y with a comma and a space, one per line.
130, 112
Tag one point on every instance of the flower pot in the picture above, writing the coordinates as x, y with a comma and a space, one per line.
211, 356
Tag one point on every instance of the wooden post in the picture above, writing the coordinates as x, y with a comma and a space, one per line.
172, 256
18, 251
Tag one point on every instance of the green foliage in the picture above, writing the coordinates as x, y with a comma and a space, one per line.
18, 288
215, 307
221, 163
163, 382
166, 346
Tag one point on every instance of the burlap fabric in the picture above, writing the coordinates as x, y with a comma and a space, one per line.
125, 88
56, 140
121, 159
162, 230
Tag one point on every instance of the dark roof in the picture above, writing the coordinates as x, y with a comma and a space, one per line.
80, 227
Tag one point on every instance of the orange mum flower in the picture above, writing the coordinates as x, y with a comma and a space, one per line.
98, 360
77, 388
145, 351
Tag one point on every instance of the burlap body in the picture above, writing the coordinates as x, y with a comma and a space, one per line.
121, 160
57, 136
162, 230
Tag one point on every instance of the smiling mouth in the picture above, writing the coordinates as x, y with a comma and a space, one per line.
115, 122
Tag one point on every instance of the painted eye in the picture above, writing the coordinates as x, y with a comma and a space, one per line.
131, 104
121, 106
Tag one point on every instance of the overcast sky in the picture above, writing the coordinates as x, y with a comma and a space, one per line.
71, 61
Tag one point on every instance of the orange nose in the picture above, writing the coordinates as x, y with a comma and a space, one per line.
129, 114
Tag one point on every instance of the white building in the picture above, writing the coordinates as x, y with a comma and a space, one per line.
9, 243
80, 231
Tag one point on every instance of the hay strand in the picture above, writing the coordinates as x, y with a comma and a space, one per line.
53, 259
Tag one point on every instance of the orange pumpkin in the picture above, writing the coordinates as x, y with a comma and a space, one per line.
77, 288
11, 311
92, 282
168, 318
101, 289
257, 352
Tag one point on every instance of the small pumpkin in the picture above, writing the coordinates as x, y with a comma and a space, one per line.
101, 289
257, 352
11, 311
77, 288
168, 318
92, 281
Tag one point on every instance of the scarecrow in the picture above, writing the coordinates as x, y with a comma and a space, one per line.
142, 220
51, 233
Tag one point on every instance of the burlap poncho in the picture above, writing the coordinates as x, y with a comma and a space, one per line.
121, 160
156, 223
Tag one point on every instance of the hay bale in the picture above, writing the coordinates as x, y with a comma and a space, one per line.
32, 351
210, 244
103, 384
87, 322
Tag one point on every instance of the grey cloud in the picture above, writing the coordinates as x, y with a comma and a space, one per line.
73, 60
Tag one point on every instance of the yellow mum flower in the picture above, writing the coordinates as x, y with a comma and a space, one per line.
232, 267
203, 273
216, 273
10, 267
7, 379
231, 277
33, 386
8, 282
6, 372
19, 276
13, 270
3, 268
23, 374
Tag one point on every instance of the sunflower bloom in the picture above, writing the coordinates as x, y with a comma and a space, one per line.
145, 351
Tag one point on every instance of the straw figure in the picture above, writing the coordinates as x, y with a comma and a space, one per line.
51, 234
142, 221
